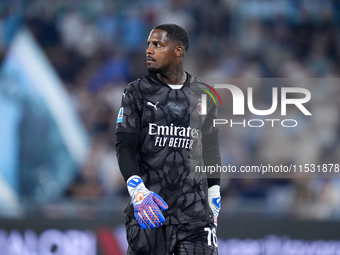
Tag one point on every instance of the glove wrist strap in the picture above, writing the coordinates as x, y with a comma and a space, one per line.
214, 191
134, 182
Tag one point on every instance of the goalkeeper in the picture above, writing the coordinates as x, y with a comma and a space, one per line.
161, 135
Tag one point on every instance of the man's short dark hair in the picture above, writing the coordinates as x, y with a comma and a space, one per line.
176, 33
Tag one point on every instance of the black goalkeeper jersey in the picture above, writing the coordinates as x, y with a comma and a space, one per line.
170, 127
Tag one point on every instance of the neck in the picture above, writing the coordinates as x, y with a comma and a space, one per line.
173, 77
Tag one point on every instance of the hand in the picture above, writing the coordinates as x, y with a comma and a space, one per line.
146, 204
214, 198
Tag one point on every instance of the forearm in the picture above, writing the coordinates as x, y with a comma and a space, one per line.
126, 147
212, 157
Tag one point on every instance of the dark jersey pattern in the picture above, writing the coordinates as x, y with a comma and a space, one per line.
170, 129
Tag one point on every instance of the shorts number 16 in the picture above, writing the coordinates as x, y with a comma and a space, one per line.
211, 237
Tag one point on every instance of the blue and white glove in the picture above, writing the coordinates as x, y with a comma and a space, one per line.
146, 204
214, 199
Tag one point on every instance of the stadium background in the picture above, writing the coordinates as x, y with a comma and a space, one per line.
55, 195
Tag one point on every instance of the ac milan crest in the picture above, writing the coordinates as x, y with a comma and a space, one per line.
199, 107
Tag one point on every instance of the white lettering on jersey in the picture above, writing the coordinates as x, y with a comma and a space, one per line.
173, 136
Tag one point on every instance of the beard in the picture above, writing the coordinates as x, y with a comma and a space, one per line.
153, 70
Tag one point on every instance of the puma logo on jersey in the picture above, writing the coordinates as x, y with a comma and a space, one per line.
153, 105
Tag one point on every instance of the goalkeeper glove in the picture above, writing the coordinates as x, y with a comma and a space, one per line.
214, 199
146, 204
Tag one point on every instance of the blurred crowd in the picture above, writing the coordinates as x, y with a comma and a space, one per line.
98, 46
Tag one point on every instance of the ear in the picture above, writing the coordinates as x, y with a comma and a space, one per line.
179, 50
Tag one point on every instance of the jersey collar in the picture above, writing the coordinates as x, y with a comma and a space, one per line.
186, 83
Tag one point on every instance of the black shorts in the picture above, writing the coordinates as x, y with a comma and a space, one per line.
184, 239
